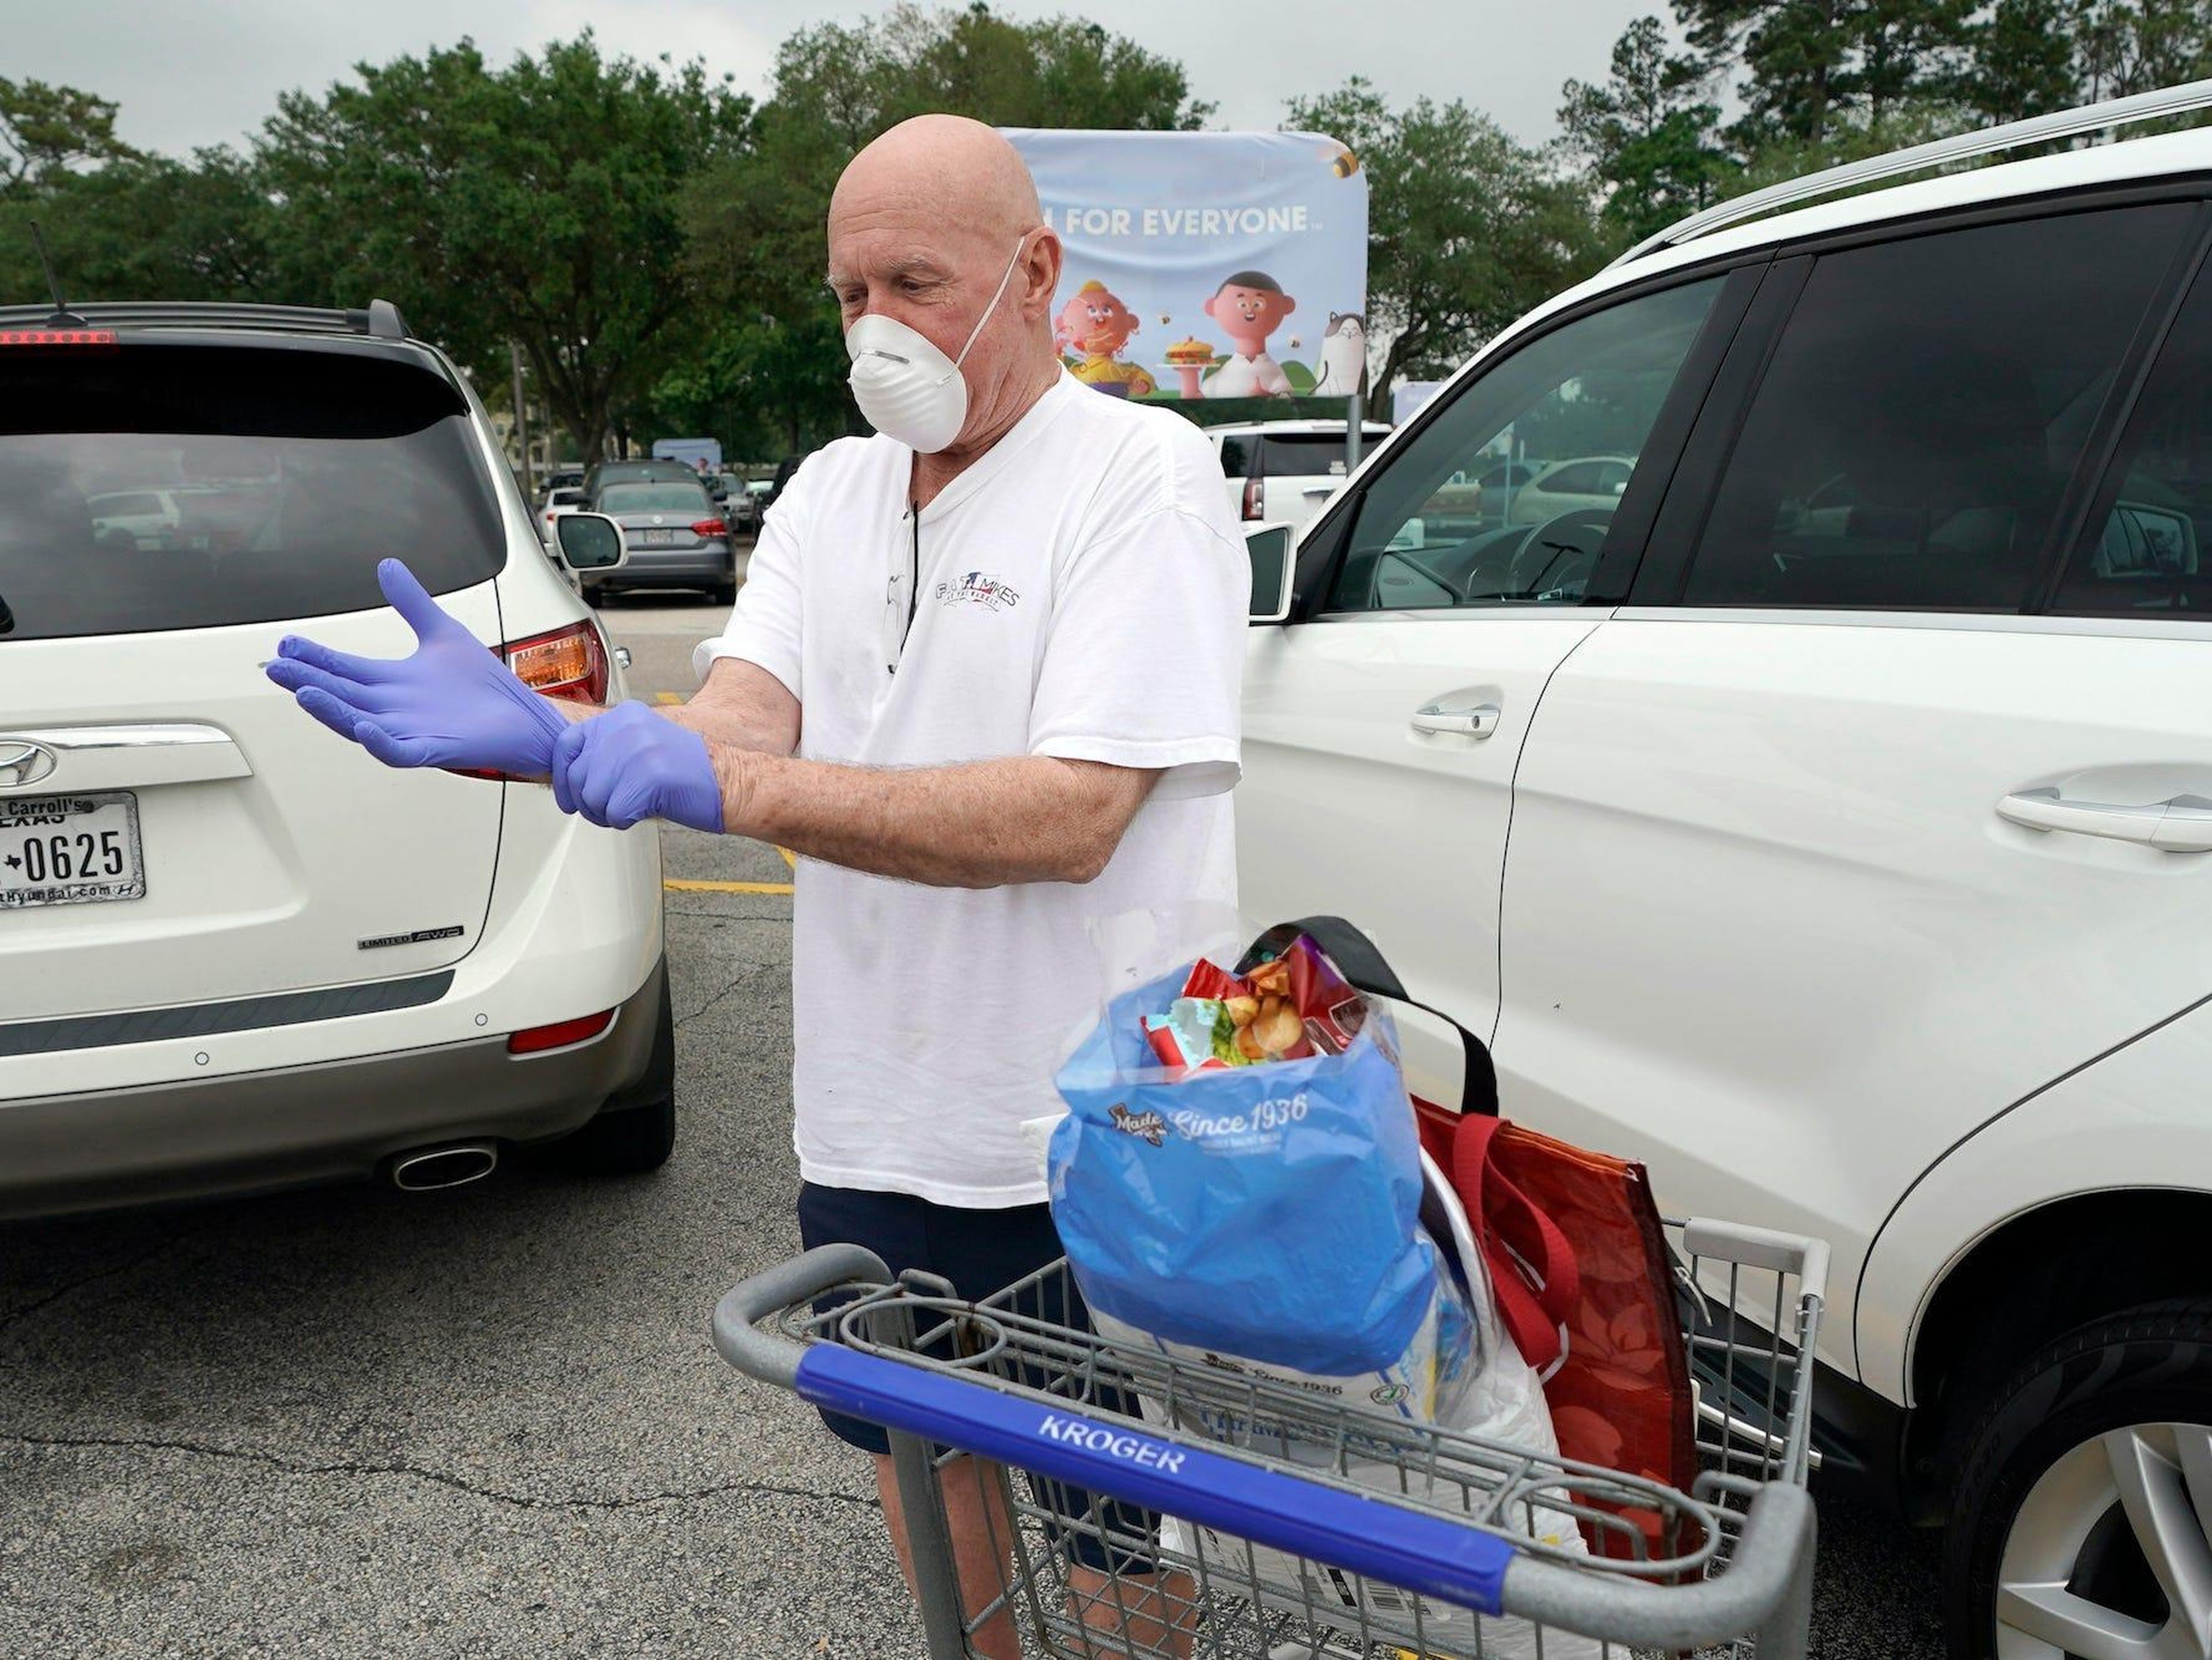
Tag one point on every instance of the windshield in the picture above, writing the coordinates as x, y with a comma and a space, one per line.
167, 485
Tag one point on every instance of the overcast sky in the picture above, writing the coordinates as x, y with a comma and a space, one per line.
206, 72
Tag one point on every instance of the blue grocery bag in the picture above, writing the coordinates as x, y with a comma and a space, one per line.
1267, 1212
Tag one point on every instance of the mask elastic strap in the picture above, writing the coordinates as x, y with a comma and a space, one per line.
997, 295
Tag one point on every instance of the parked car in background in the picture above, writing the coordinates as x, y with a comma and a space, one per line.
1857, 755
558, 502
1590, 482
1281, 471
143, 519
238, 952
567, 476
677, 538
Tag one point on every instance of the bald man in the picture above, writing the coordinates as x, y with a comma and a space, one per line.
983, 678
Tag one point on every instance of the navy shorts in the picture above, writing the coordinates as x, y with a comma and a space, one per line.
981, 1252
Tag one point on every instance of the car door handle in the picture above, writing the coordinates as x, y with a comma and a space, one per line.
1318, 490
2181, 824
1477, 722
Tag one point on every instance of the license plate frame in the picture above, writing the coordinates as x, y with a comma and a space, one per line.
20, 891
657, 539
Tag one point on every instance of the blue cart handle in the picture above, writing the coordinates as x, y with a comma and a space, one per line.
1430, 1554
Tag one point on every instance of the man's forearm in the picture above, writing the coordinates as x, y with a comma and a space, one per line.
1029, 818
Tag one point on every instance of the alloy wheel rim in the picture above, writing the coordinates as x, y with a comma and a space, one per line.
2145, 1488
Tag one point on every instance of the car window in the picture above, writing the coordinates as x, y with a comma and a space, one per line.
1923, 412
1419, 540
652, 498
1300, 455
2145, 545
291, 473
1236, 457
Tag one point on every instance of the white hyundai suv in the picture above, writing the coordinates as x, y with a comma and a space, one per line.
1827, 821
234, 954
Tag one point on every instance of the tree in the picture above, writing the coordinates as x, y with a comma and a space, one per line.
1467, 229
45, 129
1649, 135
538, 203
1812, 63
756, 218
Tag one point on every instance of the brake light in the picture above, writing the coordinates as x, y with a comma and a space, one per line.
570, 662
559, 1034
710, 528
1253, 507
98, 339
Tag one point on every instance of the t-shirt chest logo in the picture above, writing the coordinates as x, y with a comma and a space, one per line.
977, 589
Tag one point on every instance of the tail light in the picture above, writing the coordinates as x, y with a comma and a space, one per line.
570, 662
559, 1035
710, 528
1253, 506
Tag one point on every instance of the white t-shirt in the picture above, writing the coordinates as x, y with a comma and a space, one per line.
1249, 377
1083, 594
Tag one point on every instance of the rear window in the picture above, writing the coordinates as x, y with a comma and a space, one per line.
286, 474
1302, 455
652, 498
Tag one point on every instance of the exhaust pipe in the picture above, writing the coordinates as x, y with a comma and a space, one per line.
434, 1168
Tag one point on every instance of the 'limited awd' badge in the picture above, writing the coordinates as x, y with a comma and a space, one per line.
421, 936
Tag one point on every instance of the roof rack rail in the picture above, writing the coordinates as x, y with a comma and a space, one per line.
2012, 135
382, 320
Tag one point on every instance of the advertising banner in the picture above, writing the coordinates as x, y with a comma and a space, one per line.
1206, 264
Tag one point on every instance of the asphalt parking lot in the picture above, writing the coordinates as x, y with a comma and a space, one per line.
356, 1422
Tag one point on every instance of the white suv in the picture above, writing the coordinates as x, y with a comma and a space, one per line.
1285, 472
1827, 821
234, 953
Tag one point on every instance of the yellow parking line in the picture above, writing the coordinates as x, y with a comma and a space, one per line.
789, 857
727, 887
664, 698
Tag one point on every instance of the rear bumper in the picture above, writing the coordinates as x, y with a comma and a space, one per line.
683, 568
309, 1123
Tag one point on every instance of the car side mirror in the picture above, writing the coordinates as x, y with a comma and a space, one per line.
1274, 566
590, 541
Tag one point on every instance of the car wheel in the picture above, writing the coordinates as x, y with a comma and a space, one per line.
2084, 1513
724, 594
636, 1131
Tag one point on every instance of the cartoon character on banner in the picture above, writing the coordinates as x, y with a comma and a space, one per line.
1249, 305
1090, 332
1343, 372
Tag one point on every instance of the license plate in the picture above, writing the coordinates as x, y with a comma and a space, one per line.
69, 850
659, 538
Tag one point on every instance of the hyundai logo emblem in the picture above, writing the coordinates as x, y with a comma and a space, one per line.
23, 761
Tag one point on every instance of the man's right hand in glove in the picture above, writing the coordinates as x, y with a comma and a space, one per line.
452, 703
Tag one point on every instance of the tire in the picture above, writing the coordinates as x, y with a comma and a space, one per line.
2086, 1494
635, 1132
723, 593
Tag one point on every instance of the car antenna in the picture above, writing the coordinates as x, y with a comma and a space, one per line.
63, 318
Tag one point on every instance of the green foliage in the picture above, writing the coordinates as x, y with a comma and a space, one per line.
1649, 135
1467, 229
2031, 57
1812, 63
538, 203
45, 129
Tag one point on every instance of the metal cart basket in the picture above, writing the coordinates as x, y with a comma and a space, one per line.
1297, 1526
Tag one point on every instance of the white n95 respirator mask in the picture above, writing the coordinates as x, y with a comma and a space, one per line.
906, 388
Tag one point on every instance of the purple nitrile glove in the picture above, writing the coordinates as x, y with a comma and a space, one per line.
453, 704
630, 764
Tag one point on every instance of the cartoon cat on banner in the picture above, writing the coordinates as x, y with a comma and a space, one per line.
1206, 264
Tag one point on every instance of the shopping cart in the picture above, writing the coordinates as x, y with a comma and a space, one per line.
1299, 1527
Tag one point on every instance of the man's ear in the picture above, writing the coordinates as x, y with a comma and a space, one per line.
1208, 307
1041, 271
